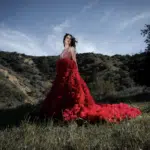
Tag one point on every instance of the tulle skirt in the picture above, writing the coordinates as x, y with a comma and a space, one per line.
70, 99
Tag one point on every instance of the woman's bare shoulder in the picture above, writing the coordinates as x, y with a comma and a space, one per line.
72, 49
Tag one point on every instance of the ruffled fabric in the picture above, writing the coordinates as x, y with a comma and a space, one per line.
70, 99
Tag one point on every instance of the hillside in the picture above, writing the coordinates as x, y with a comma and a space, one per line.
27, 79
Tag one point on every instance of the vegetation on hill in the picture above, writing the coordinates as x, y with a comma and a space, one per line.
30, 76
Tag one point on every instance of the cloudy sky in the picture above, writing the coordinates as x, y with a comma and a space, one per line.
37, 27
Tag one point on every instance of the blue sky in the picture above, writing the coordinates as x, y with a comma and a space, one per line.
37, 27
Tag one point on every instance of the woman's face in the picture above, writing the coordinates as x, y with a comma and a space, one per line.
68, 40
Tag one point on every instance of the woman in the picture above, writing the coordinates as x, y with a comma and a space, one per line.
70, 98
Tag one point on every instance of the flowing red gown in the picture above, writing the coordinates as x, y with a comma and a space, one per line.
70, 98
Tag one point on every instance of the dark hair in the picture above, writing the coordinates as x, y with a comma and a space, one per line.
73, 40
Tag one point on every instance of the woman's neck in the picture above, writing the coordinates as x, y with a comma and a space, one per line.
66, 46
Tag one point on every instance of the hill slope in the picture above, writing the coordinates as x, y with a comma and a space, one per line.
27, 79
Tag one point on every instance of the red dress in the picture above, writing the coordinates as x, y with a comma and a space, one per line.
70, 98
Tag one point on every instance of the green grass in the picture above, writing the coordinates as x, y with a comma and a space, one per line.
129, 135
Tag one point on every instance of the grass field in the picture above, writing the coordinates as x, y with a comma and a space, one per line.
129, 135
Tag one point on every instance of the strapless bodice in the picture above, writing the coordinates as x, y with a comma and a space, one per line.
65, 54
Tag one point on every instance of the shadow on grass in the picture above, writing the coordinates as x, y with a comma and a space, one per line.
139, 98
15, 116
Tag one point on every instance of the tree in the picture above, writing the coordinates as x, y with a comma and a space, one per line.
146, 72
146, 32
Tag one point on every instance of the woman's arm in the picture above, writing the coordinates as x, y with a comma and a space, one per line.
73, 55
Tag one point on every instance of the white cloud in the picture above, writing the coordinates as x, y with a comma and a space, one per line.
85, 46
106, 16
123, 25
122, 47
12, 40
52, 44
54, 40
62, 26
89, 5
